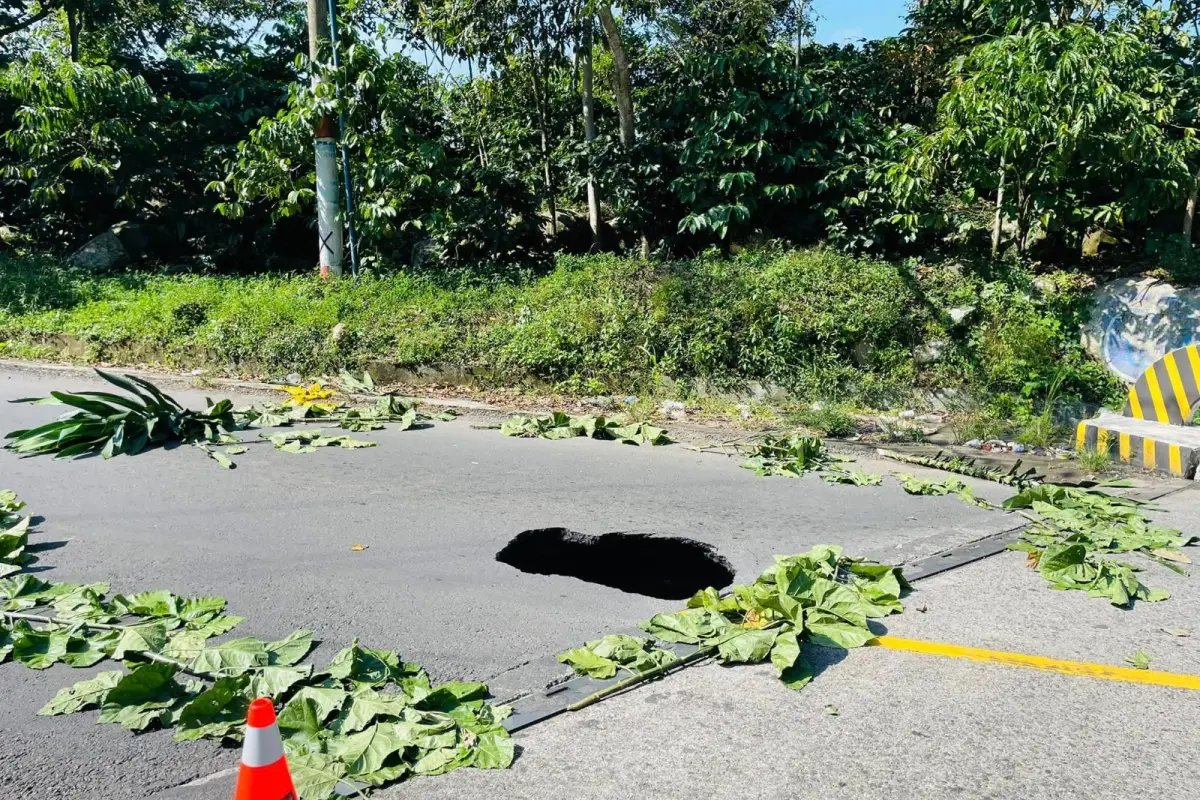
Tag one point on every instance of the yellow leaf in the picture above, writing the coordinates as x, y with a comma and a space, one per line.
1171, 555
359, 547
304, 395
753, 620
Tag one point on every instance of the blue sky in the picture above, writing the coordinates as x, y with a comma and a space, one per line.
839, 21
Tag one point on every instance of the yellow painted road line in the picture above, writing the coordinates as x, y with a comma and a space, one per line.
1078, 669
1175, 461
1160, 408
1081, 436
1101, 440
1125, 447
1148, 453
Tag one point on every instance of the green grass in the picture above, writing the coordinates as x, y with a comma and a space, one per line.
1092, 460
826, 421
821, 325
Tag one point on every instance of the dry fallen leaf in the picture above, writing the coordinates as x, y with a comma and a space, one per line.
359, 547
753, 620
1032, 560
1181, 632
1171, 555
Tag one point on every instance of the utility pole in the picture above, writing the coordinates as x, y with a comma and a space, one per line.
329, 227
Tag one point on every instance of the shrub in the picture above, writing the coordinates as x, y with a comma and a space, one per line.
822, 325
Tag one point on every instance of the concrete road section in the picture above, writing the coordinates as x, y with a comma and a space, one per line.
434, 506
907, 725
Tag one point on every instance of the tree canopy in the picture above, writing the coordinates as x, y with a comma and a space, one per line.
493, 133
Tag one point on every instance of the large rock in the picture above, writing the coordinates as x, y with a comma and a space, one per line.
1136, 321
101, 254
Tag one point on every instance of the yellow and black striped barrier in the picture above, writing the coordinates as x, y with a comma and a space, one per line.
1169, 390
1137, 450
1152, 433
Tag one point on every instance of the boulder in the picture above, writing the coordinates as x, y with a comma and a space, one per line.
1136, 321
101, 254
931, 352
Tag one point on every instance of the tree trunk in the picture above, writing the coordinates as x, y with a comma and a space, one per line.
997, 225
589, 131
318, 26
73, 25
1189, 214
800, 9
623, 89
547, 177
624, 86
1021, 220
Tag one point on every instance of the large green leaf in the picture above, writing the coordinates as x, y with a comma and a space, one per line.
746, 646
82, 695
797, 676
493, 750
217, 625
274, 682
140, 639
85, 604
6, 641
216, 713
25, 591
233, 657
365, 706
38, 649
829, 631
694, 626
365, 666
197, 611
91, 647
148, 604
786, 651
143, 697
310, 707
316, 777
585, 662
290, 650
367, 751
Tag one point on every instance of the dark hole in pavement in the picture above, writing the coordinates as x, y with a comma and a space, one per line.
669, 568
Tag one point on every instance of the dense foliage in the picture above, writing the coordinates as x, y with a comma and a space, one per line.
989, 139
1040, 124
823, 325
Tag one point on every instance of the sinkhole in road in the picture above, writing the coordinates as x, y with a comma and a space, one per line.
666, 567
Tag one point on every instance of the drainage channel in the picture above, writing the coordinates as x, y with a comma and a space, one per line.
539, 706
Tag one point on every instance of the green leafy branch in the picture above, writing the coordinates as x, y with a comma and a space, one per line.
967, 466
817, 598
559, 425
954, 486
1072, 528
110, 424
14, 534
796, 455
365, 720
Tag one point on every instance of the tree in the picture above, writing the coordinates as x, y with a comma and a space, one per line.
1069, 127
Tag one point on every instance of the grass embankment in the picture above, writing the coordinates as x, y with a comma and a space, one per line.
820, 325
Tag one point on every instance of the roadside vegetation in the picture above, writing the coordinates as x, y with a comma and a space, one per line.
822, 326
665, 199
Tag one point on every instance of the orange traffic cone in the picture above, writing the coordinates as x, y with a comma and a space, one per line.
264, 774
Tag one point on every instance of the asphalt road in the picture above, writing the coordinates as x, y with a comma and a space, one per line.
908, 726
433, 506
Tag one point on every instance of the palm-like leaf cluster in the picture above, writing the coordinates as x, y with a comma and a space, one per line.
111, 424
